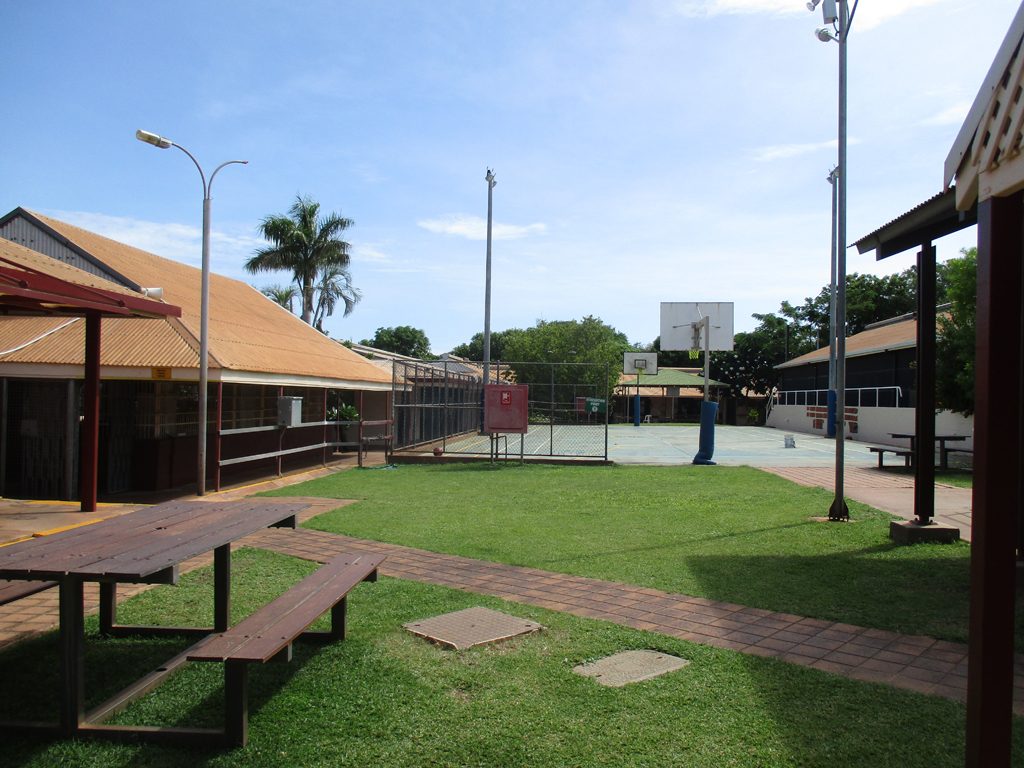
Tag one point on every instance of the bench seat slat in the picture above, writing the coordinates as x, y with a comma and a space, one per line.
15, 590
262, 635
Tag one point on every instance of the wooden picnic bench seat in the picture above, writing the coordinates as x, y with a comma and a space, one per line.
368, 440
15, 590
882, 450
269, 633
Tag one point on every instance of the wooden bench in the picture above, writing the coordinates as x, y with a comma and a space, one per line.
15, 590
268, 634
881, 451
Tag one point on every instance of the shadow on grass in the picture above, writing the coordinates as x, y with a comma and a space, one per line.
193, 696
867, 587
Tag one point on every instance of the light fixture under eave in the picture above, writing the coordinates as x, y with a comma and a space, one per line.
154, 139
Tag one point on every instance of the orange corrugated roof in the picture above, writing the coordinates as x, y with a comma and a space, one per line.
248, 332
901, 335
127, 342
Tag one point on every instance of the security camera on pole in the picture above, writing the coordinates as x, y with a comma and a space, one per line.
838, 20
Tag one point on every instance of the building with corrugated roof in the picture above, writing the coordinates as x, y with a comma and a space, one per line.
880, 387
258, 352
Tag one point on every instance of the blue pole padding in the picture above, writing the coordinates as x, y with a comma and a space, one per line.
708, 411
831, 423
636, 408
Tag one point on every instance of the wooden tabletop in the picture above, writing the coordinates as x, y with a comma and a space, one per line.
140, 545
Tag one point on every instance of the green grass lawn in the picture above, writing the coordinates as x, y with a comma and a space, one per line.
386, 698
727, 533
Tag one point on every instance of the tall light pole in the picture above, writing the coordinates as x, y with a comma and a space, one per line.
204, 312
840, 19
491, 182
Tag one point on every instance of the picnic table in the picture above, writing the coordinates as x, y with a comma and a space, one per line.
940, 439
147, 546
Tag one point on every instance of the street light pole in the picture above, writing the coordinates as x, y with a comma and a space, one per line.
491, 182
840, 19
204, 311
831, 398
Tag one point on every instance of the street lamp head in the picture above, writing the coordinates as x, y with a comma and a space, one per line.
489, 178
152, 138
825, 35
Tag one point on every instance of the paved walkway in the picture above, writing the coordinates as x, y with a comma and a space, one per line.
893, 493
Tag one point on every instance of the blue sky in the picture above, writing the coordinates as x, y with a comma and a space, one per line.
644, 151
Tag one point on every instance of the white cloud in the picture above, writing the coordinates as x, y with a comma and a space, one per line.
954, 114
786, 151
868, 16
475, 228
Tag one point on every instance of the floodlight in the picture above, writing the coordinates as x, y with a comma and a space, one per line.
825, 35
812, 5
152, 138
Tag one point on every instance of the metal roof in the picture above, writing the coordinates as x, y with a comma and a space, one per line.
667, 377
250, 335
879, 338
932, 219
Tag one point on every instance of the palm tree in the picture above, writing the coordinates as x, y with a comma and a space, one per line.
305, 244
281, 294
335, 284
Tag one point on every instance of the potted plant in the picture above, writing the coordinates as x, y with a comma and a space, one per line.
346, 412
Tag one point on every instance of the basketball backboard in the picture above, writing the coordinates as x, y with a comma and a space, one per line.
682, 325
640, 362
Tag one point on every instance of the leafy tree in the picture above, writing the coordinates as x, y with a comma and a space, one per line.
474, 348
307, 245
281, 294
569, 341
954, 346
869, 299
402, 339
335, 285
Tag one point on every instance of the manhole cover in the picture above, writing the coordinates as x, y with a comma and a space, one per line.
472, 626
630, 667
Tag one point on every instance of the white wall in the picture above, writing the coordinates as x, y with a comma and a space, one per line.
874, 425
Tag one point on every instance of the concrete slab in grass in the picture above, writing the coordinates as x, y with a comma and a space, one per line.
630, 667
470, 627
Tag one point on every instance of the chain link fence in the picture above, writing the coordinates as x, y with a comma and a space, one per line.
440, 405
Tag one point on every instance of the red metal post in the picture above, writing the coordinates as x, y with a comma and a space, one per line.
997, 495
90, 434
216, 436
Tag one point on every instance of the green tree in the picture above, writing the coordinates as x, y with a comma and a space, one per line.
307, 245
569, 341
954, 345
281, 294
402, 339
869, 299
474, 348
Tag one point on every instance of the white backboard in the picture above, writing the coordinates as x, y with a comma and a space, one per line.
640, 362
682, 325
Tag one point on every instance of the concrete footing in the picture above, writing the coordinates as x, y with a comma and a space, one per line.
912, 532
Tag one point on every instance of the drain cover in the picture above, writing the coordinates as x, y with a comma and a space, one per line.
472, 626
630, 667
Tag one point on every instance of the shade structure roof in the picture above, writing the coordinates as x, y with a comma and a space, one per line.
34, 284
252, 339
934, 218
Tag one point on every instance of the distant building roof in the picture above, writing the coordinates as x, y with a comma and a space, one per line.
881, 337
668, 377
252, 339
